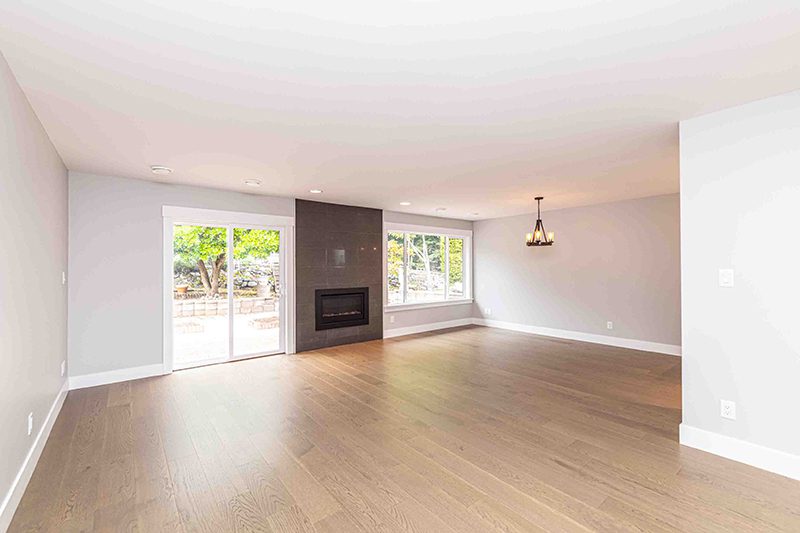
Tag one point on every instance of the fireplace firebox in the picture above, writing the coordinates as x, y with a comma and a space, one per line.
341, 308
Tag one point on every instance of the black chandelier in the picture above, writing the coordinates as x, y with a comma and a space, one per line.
538, 237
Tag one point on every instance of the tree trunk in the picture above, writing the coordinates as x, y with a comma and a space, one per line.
216, 268
201, 266
426, 258
211, 283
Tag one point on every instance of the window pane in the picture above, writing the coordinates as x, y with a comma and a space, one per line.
200, 330
456, 274
256, 287
426, 280
394, 263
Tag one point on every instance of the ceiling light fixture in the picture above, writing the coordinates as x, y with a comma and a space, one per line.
405, 203
315, 191
160, 170
252, 183
539, 237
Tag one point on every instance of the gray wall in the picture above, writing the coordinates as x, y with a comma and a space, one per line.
115, 290
324, 231
739, 210
420, 317
422, 220
616, 262
33, 302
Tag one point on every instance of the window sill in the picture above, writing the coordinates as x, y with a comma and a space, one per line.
426, 305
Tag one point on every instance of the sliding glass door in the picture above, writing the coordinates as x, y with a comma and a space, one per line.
227, 290
257, 291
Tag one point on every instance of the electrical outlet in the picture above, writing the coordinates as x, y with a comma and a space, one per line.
30, 423
726, 277
63, 368
727, 409
487, 311
609, 325
391, 319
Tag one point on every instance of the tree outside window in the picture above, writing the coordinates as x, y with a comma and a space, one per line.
200, 256
424, 267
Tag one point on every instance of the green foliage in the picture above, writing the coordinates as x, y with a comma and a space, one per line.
255, 243
394, 261
456, 248
428, 257
425, 252
207, 243
192, 244
198, 242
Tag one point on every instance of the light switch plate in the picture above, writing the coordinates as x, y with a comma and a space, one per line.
726, 277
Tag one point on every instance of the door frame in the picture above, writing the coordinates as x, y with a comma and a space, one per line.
195, 216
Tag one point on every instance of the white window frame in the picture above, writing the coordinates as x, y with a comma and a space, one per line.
391, 227
209, 217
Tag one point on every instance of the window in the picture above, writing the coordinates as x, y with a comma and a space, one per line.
455, 271
395, 261
424, 266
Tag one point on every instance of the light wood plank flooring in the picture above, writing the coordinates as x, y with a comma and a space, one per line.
472, 430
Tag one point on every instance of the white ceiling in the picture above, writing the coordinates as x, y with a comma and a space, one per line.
475, 106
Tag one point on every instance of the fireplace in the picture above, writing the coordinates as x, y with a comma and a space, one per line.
341, 308
337, 247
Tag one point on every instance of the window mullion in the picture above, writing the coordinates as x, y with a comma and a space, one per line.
405, 267
231, 266
447, 268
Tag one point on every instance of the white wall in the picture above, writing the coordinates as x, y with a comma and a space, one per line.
33, 302
740, 198
617, 262
115, 291
412, 320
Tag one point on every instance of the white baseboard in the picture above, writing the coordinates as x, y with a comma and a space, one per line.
399, 332
20, 483
115, 376
779, 462
620, 342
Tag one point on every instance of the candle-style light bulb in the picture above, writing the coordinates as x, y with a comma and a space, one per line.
551, 236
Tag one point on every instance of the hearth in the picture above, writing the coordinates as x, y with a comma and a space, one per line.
341, 308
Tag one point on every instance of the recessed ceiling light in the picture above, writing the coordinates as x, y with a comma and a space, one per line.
441, 209
405, 203
252, 183
160, 170
315, 191
475, 214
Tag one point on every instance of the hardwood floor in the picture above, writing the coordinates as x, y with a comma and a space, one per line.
472, 430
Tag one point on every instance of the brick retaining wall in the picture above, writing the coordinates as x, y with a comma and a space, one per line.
219, 307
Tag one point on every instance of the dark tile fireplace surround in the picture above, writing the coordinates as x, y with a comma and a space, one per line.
339, 274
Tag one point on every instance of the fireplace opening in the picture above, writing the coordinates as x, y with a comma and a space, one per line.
340, 308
